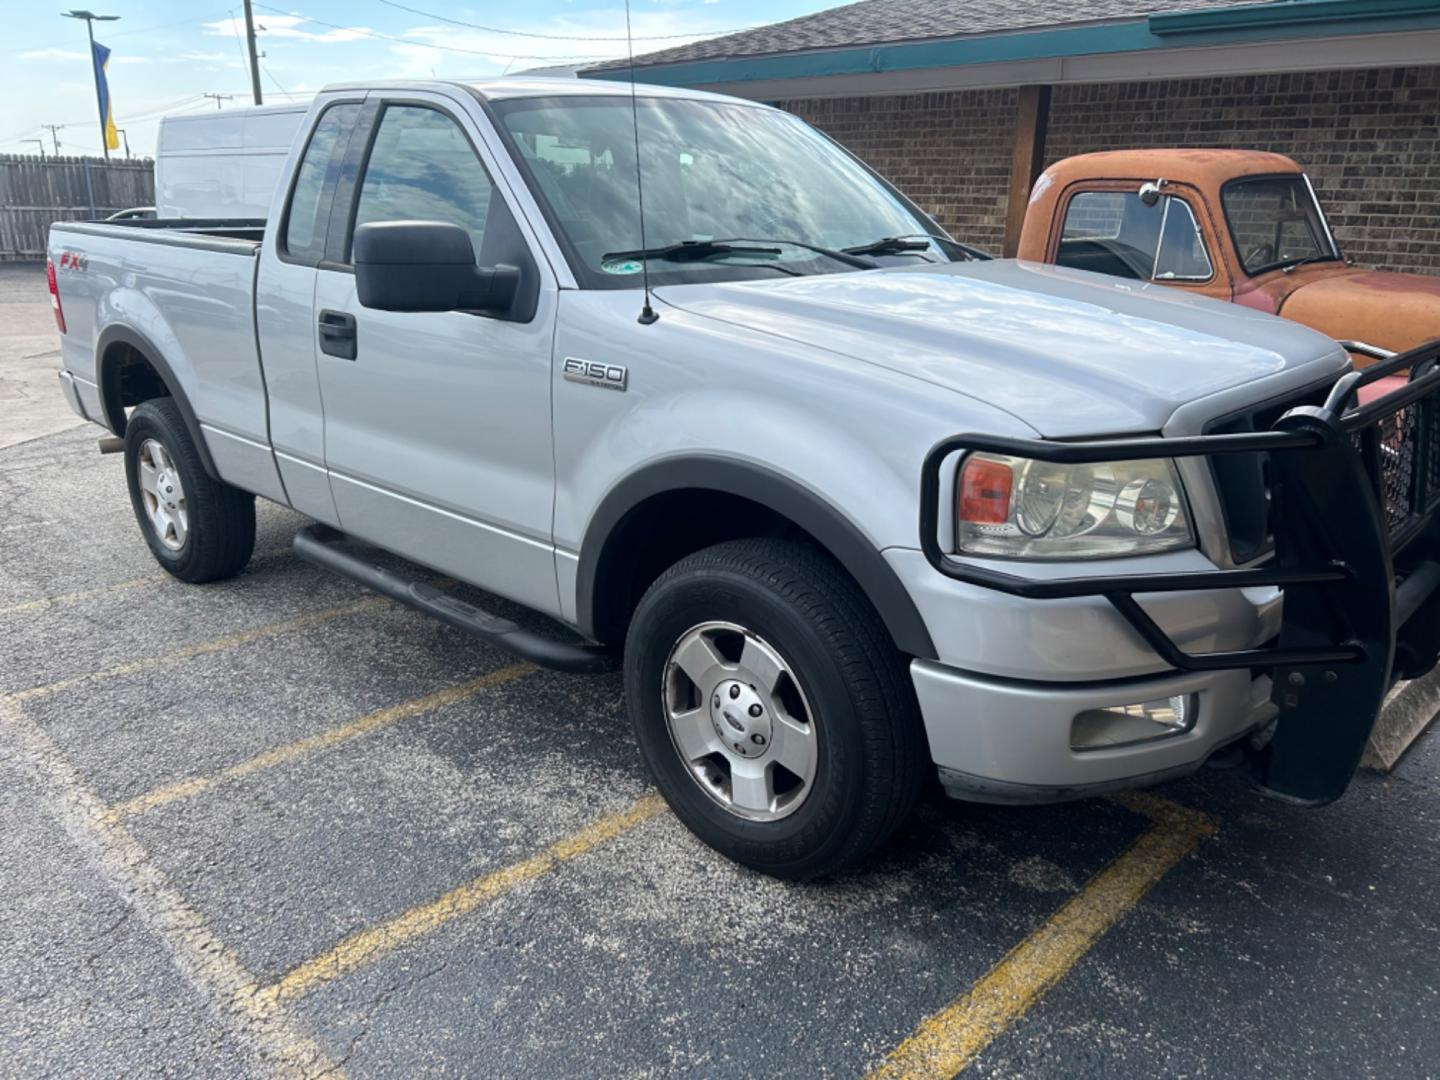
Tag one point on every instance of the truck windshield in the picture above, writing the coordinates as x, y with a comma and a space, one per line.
1276, 222
712, 171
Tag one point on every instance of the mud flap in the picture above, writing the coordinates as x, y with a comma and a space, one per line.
1328, 511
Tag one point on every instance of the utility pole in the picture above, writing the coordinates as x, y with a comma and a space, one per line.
54, 130
220, 97
124, 139
254, 60
40, 143
90, 19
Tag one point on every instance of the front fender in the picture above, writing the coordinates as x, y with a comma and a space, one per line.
759, 484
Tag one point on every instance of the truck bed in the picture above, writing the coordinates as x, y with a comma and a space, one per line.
240, 236
181, 292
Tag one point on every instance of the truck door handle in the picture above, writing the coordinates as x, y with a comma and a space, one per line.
337, 334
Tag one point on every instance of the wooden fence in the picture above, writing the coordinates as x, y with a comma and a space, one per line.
37, 191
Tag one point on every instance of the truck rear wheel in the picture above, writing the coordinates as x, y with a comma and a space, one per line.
772, 708
198, 528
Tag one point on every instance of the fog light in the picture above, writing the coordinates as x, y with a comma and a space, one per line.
1125, 725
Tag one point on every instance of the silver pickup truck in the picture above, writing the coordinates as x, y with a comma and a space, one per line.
853, 505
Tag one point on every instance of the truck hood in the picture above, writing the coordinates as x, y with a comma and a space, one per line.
1065, 351
1393, 311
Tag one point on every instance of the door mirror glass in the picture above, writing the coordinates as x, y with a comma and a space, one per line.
427, 266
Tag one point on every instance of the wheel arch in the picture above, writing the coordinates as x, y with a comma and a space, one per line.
602, 594
121, 348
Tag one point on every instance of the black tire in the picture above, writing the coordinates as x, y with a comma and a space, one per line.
221, 519
872, 754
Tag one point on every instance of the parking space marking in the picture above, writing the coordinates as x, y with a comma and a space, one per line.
335, 736
66, 598
229, 641
948, 1041
44, 602
277, 1041
366, 946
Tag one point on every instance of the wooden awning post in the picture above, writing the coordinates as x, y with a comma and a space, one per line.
1032, 118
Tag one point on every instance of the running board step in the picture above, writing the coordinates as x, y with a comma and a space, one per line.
319, 544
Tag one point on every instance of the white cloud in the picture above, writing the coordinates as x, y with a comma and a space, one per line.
52, 54
129, 59
286, 26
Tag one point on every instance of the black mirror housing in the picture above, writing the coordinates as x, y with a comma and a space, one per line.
427, 266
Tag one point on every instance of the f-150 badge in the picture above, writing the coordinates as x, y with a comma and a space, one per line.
593, 373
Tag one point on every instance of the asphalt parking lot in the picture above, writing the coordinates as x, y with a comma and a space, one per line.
277, 826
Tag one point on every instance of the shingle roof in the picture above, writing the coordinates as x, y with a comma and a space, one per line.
873, 22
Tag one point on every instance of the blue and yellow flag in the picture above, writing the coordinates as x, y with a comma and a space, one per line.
101, 57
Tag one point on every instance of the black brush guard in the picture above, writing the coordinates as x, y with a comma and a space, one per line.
1354, 498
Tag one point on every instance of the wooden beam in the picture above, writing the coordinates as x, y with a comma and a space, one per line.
1032, 120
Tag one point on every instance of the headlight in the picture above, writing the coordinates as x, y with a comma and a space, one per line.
1021, 508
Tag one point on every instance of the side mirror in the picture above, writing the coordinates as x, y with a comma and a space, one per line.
427, 266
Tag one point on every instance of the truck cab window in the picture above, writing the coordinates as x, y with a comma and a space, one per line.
1114, 232
1276, 222
423, 168
304, 229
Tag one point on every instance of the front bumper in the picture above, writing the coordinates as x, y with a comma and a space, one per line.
1355, 517
1000, 740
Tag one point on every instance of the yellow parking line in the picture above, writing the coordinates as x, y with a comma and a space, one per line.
951, 1039
279, 1045
244, 637
44, 602
368, 945
184, 789
65, 598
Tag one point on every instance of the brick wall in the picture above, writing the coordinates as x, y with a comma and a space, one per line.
949, 152
1370, 140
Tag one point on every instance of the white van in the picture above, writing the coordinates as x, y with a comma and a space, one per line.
223, 164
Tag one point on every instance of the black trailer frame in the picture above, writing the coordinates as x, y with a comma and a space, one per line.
1355, 517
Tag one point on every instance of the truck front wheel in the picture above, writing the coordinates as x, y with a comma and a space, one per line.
772, 708
198, 528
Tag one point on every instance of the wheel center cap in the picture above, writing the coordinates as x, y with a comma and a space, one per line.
741, 718
169, 488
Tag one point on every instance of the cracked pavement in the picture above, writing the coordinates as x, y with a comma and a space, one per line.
1291, 943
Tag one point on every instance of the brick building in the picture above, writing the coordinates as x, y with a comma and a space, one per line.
962, 102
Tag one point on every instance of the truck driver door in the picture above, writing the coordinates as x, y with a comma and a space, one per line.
437, 425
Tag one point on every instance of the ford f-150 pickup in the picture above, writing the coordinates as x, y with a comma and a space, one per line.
850, 506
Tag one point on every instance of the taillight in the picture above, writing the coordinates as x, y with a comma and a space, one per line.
55, 296
984, 491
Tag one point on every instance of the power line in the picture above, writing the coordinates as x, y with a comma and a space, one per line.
546, 37
359, 32
283, 91
122, 33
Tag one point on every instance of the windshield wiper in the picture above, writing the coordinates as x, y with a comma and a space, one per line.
692, 249
890, 245
915, 243
734, 245
1291, 265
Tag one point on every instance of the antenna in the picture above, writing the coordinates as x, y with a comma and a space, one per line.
647, 313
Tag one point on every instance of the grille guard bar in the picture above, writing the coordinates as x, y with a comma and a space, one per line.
1355, 566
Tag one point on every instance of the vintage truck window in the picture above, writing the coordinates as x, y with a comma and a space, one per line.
1117, 233
1275, 221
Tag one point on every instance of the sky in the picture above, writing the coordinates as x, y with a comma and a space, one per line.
167, 54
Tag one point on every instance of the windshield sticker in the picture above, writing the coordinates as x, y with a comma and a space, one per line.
622, 266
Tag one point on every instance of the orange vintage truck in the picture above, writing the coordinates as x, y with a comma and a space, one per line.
1239, 225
